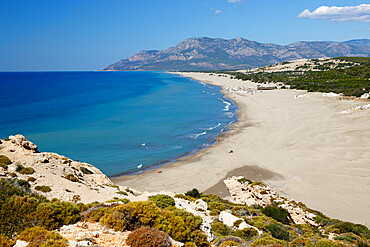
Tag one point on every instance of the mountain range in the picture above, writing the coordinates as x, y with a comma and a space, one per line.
199, 54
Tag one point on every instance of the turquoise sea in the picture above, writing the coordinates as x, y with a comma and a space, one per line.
120, 122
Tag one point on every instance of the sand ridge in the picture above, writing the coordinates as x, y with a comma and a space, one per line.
317, 156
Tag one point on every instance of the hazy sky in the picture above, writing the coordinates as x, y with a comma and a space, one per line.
90, 34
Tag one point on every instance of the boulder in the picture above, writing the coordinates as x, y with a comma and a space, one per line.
227, 218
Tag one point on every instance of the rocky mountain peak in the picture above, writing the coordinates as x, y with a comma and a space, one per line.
232, 54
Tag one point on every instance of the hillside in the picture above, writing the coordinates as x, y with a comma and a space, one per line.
343, 75
255, 215
199, 54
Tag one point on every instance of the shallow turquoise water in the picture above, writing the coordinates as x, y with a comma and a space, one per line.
118, 121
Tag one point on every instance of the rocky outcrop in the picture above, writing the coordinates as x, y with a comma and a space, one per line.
230, 219
198, 208
251, 193
56, 176
21, 141
93, 234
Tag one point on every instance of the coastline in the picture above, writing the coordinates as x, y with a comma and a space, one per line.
300, 147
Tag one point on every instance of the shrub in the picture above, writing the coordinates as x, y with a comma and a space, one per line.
348, 238
246, 234
328, 243
43, 188
10, 187
31, 179
3, 165
131, 216
200, 239
162, 201
38, 236
357, 229
189, 244
268, 240
221, 241
71, 177
5, 160
220, 229
122, 193
149, 237
18, 167
229, 243
55, 214
193, 193
277, 213
33, 233
301, 241
27, 170
13, 174
238, 222
5, 241
94, 214
243, 180
278, 231
84, 170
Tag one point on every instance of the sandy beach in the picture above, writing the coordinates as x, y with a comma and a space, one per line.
296, 142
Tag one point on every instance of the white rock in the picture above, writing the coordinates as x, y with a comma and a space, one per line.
83, 243
227, 218
200, 204
21, 243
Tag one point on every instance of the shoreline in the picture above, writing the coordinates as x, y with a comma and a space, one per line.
211, 142
299, 146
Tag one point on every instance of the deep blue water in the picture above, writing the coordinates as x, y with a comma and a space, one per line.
116, 121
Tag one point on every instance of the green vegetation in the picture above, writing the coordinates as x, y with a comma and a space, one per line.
360, 60
84, 170
33, 218
71, 177
43, 188
39, 236
6, 241
122, 193
5, 160
27, 170
162, 201
193, 193
351, 81
243, 180
31, 179
20, 209
229, 243
277, 213
3, 165
277, 231
150, 237
179, 224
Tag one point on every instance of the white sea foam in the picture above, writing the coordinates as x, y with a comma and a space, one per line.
197, 135
229, 114
208, 93
214, 127
227, 104
139, 166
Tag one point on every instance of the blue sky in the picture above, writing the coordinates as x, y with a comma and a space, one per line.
90, 34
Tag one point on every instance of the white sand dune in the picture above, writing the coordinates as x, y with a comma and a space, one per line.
316, 155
